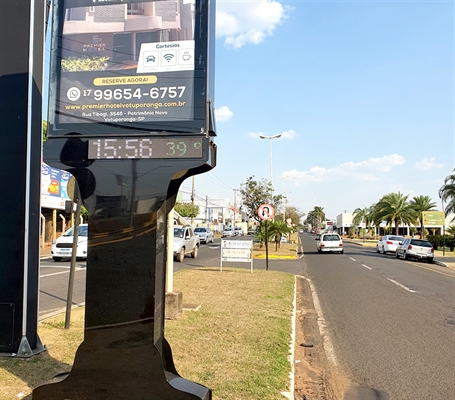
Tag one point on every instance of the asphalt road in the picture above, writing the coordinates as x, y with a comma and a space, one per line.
391, 322
54, 277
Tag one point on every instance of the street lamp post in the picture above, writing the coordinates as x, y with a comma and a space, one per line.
270, 138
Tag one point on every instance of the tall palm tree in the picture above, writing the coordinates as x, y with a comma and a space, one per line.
319, 215
447, 194
394, 208
421, 204
365, 215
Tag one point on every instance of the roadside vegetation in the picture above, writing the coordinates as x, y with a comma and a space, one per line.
237, 343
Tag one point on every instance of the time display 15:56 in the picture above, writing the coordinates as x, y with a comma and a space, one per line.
137, 148
171, 92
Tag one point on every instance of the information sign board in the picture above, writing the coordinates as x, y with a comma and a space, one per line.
129, 64
236, 251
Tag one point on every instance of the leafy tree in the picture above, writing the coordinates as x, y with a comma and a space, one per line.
420, 204
44, 131
292, 213
394, 208
256, 193
451, 230
447, 194
187, 210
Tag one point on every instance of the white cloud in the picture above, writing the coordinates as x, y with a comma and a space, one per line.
288, 134
242, 22
367, 170
427, 164
223, 114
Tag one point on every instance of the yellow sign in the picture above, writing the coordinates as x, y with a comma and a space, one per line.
433, 218
125, 80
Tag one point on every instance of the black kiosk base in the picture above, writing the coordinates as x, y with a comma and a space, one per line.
124, 354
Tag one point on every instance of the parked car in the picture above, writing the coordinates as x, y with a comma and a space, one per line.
388, 244
418, 249
329, 242
63, 246
205, 234
238, 231
283, 239
228, 232
185, 242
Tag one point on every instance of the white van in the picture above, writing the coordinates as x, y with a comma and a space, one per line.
63, 246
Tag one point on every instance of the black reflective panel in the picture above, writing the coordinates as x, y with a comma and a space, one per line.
124, 354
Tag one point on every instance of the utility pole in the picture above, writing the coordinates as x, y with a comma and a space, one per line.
192, 198
206, 209
235, 205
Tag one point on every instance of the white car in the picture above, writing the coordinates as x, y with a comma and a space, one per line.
185, 242
238, 231
388, 244
63, 246
418, 249
205, 234
228, 232
329, 242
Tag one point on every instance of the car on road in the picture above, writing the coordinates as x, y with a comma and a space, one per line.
205, 234
62, 247
388, 244
417, 249
329, 242
238, 231
283, 239
228, 232
185, 242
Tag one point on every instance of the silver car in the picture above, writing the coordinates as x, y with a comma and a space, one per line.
388, 244
417, 249
205, 234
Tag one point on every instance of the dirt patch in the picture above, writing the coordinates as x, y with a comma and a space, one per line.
315, 378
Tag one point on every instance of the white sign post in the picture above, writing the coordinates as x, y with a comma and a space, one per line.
236, 251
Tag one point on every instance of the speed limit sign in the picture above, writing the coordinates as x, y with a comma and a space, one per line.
266, 212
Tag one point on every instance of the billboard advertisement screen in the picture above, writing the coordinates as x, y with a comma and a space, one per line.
127, 64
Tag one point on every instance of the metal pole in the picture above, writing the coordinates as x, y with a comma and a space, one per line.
266, 246
69, 298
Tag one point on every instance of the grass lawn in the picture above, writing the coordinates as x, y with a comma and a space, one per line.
237, 343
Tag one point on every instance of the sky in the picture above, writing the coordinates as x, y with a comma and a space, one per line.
361, 92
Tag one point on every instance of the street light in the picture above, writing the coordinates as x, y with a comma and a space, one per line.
270, 138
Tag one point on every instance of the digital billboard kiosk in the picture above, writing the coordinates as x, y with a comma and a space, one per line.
130, 117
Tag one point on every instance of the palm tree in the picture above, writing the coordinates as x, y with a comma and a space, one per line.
318, 216
277, 229
447, 194
361, 215
394, 208
421, 204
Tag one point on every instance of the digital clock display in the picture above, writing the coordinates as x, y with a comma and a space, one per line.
138, 148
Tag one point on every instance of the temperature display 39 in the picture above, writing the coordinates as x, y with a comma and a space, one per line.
137, 148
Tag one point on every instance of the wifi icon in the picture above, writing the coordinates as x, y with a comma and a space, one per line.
168, 57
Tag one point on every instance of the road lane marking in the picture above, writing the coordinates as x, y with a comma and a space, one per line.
328, 346
366, 266
353, 259
59, 273
400, 285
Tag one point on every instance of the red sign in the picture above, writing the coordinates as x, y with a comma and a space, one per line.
266, 212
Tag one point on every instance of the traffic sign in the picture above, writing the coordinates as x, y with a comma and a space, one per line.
266, 212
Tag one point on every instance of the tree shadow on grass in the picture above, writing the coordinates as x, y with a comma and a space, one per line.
33, 371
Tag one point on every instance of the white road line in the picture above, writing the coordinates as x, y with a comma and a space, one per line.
366, 266
328, 346
400, 285
58, 273
353, 259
